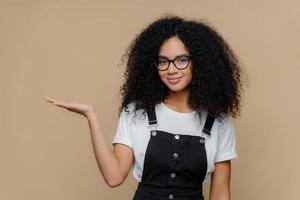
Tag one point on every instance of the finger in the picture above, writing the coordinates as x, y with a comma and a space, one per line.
60, 103
49, 99
55, 101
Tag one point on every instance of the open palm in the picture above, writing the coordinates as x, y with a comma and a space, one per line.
71, 106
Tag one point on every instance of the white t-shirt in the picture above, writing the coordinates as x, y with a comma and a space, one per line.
134, 132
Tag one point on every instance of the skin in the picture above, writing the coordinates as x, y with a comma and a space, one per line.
178, 94
115, 164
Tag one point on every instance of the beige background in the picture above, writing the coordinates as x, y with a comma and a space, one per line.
71, 50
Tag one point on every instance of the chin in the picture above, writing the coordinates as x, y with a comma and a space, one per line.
174, 88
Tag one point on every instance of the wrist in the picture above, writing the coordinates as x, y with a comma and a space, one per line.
91, 113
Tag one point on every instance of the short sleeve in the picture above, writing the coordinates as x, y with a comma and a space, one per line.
226, 148
123, 133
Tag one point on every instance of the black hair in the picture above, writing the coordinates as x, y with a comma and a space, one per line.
216, 74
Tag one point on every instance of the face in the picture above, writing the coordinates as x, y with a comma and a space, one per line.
175, 79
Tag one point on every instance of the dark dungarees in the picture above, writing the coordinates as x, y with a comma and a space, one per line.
175, 165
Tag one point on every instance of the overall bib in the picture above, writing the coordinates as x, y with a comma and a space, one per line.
175, 165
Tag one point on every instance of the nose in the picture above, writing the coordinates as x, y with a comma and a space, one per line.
172, 69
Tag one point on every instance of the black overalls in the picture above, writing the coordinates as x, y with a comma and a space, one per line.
175, 165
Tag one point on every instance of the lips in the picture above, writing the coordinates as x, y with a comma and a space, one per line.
174, 80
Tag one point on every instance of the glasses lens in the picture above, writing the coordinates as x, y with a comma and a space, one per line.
162, 64
182, 62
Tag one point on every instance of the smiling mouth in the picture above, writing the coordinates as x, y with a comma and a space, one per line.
173, 80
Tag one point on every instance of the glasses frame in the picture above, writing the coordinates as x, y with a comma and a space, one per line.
172, 61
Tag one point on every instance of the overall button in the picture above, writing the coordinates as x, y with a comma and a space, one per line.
153, 133
177, 137
173, 175
202, 140
175, 155
171, 196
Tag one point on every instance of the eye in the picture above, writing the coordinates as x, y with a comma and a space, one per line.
183, 59
162, 61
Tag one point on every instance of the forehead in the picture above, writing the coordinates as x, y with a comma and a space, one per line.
172, 47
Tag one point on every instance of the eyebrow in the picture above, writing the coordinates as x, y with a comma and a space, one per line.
162, 56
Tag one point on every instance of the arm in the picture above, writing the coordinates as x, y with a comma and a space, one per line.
220, 181
114, 165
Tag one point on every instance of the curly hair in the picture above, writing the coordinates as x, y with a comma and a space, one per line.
216, 81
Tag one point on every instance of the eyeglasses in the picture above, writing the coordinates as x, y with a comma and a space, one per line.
180, 62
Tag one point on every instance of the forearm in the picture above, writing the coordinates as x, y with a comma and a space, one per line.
220, 181
106, 160
220, 194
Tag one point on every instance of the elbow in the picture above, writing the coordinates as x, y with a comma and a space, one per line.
115, 182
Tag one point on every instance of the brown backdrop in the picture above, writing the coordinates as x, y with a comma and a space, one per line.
71, 50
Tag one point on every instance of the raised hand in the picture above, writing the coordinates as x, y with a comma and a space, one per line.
76, 107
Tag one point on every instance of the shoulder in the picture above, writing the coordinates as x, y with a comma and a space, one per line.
224, 121
128, 109
227, 122
225, 128
130, 113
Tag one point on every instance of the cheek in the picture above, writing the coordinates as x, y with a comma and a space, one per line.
189, 73
161, 74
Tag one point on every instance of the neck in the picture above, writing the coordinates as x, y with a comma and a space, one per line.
178, 100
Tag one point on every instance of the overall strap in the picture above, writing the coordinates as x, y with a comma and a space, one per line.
152, 118
208, 124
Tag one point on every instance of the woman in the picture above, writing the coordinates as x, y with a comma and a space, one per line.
182, 86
